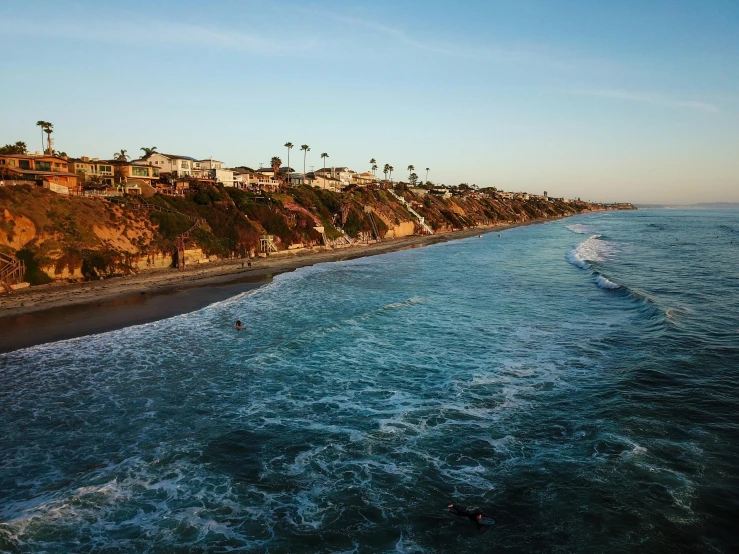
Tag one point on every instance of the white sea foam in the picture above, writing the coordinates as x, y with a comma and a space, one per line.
605, 283
593, 249
403, 304
580, 229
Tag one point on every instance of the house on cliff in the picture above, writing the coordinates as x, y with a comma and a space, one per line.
51, 172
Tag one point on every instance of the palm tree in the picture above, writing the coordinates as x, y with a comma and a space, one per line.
305, 148
427, 175
289, 146
48, 129
148, 151
410, 169
374, 169
276, 164
121, 156
21, 147
373, 162
390, 169
43, 124
385, 170
324, 156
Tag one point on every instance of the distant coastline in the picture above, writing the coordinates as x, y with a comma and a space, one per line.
64, 311
697, 206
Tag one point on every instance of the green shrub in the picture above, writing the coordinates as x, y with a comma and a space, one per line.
34, 274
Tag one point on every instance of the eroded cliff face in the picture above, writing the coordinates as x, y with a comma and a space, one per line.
64, 237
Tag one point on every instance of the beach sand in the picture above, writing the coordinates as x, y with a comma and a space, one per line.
59, 311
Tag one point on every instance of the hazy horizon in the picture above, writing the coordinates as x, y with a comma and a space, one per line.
605, 102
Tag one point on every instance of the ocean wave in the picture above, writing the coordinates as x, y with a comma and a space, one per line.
605, 283
592, 249
403, 304
580, 229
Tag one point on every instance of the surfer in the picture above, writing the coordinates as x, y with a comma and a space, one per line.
474, 515
238, 325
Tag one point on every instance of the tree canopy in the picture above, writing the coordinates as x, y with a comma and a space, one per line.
17, 148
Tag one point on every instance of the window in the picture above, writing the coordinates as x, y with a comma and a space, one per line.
184, 165
43, 166
24, 164
105, 169
140, 171
156, 171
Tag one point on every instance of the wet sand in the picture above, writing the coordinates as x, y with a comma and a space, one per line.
55, 312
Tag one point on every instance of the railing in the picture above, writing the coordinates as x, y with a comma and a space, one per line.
12, 272
374, 226
407, 204
16, 182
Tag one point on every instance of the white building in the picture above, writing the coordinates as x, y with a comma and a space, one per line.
343, 174
203, 169
179, 166
225, 176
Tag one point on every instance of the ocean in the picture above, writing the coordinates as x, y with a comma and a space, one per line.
576, 380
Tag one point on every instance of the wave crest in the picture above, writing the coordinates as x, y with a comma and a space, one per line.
605, 283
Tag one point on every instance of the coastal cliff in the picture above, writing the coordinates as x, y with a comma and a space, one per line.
75, 238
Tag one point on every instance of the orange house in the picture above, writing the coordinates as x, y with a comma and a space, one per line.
44, 169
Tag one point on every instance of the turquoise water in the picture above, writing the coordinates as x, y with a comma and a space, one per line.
577, 380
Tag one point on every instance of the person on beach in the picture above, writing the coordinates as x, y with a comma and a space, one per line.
473, 514
249, 264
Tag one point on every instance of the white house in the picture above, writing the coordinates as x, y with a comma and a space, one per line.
327, 183
225, 176
204, 168
179, 166
343, 174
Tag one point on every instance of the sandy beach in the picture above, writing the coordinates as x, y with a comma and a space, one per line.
62, 311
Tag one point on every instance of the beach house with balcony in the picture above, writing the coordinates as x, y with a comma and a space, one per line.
362, 179
343, 174
52, 172
172, 164
326, 182
110, 172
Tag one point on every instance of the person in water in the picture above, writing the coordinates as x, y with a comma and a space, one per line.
473, 514
238, 324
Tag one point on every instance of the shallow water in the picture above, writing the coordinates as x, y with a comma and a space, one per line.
577, 380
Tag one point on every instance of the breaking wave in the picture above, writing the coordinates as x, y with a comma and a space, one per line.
593, 249
605, 283
580, 229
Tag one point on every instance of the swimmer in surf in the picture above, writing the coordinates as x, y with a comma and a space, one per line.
238, 325
473, 514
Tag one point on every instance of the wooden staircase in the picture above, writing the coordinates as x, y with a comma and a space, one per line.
421, 221
371, 213
12, 272
181, 238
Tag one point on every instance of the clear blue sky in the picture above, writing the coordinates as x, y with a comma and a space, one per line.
608, 100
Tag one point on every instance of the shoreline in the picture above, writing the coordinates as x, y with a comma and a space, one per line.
50, 313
